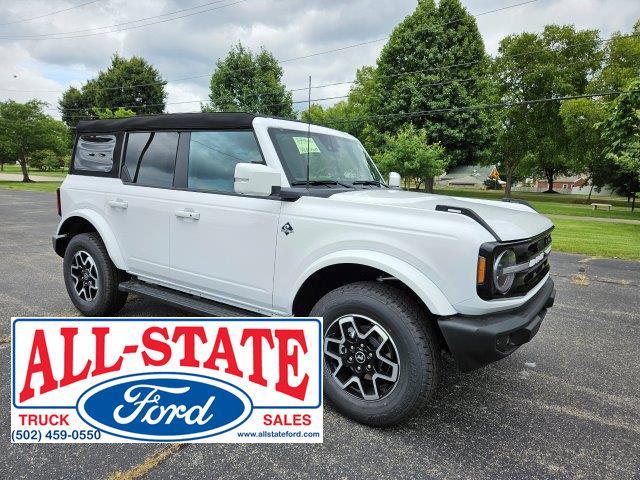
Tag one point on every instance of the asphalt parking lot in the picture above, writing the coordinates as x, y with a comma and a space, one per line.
566, 405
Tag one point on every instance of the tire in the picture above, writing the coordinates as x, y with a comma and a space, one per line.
411, 335
100, 296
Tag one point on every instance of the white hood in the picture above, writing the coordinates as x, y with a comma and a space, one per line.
510, 221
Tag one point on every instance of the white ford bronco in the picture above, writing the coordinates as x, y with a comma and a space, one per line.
232, 214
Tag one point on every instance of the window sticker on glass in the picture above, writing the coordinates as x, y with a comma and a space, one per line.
303, 142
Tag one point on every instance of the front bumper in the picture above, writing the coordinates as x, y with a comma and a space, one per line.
475, 341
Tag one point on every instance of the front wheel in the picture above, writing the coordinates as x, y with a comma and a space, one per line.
91, 277
381, 356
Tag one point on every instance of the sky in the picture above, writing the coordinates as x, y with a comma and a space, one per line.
37, 62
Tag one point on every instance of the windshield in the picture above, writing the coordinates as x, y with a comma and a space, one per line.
331, 158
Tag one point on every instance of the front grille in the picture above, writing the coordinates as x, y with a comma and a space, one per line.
525, 251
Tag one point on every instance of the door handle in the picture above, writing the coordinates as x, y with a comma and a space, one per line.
188, 214
118, 204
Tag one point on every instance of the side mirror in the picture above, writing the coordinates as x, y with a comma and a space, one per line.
394, 180
255, 179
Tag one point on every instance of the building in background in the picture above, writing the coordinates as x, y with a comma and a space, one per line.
470, 176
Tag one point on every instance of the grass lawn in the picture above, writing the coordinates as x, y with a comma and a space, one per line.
557, 204
12, 168
534, 197
32, 187
600, 239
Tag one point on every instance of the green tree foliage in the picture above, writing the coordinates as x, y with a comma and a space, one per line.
563, 61
46, 160
621, 62
513, 144
581, 118
26, 129
103, 113
251, 82
133, 84
415, 74
409, 153
621, 134
352, 115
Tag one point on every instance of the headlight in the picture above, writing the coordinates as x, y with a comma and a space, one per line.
503, 282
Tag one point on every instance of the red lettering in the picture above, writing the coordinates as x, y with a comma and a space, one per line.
287, 420
223, 350
100, 333
156, 345
257, 335
43, 366
69, 377
285, 360
54, 419
189, 335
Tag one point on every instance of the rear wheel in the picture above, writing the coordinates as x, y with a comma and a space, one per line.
381, 360
91, 277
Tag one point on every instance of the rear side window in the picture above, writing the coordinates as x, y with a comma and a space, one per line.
94, 153
213, 157
150, 159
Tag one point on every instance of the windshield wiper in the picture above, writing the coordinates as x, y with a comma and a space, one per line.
369, 182
320, 182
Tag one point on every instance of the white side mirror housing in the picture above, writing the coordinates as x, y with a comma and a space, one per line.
255, 179
394, 180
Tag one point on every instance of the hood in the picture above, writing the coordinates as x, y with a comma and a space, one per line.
510, 221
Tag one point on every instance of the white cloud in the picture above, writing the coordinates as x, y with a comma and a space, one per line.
190, 46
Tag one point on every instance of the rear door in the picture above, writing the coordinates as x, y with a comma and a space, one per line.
222, 244
139, 207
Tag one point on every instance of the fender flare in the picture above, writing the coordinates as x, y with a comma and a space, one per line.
419, 283
105, 232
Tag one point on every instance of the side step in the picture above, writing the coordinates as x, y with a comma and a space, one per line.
184, 300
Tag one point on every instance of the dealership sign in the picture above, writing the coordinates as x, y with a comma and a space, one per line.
166, 380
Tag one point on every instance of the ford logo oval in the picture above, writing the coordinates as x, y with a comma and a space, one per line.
164, 407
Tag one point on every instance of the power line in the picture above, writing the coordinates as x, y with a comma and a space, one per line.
119, 24
486, 106
123, 29
187, 101
421, 85
291, 59
49, 14
349, 82
58, 36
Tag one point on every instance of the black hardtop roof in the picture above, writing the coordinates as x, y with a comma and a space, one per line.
169, 121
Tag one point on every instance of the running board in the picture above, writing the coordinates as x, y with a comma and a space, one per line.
185, 301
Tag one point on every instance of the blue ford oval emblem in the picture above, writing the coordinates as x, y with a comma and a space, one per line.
164, 406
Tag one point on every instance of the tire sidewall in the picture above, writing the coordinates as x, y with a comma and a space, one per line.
405, 393
78, 243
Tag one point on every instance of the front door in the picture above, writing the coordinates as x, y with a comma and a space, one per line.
222, 244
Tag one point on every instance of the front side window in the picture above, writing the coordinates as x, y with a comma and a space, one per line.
94, 153
330, 157
213, 157
150, 159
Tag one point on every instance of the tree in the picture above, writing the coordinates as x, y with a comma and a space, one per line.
621, 134
25, 129
46, 160
621, 62
108, 113
581, 119
353, 115
409, 154
563, 61
513, 144
132, 84
251, 82
415, 73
